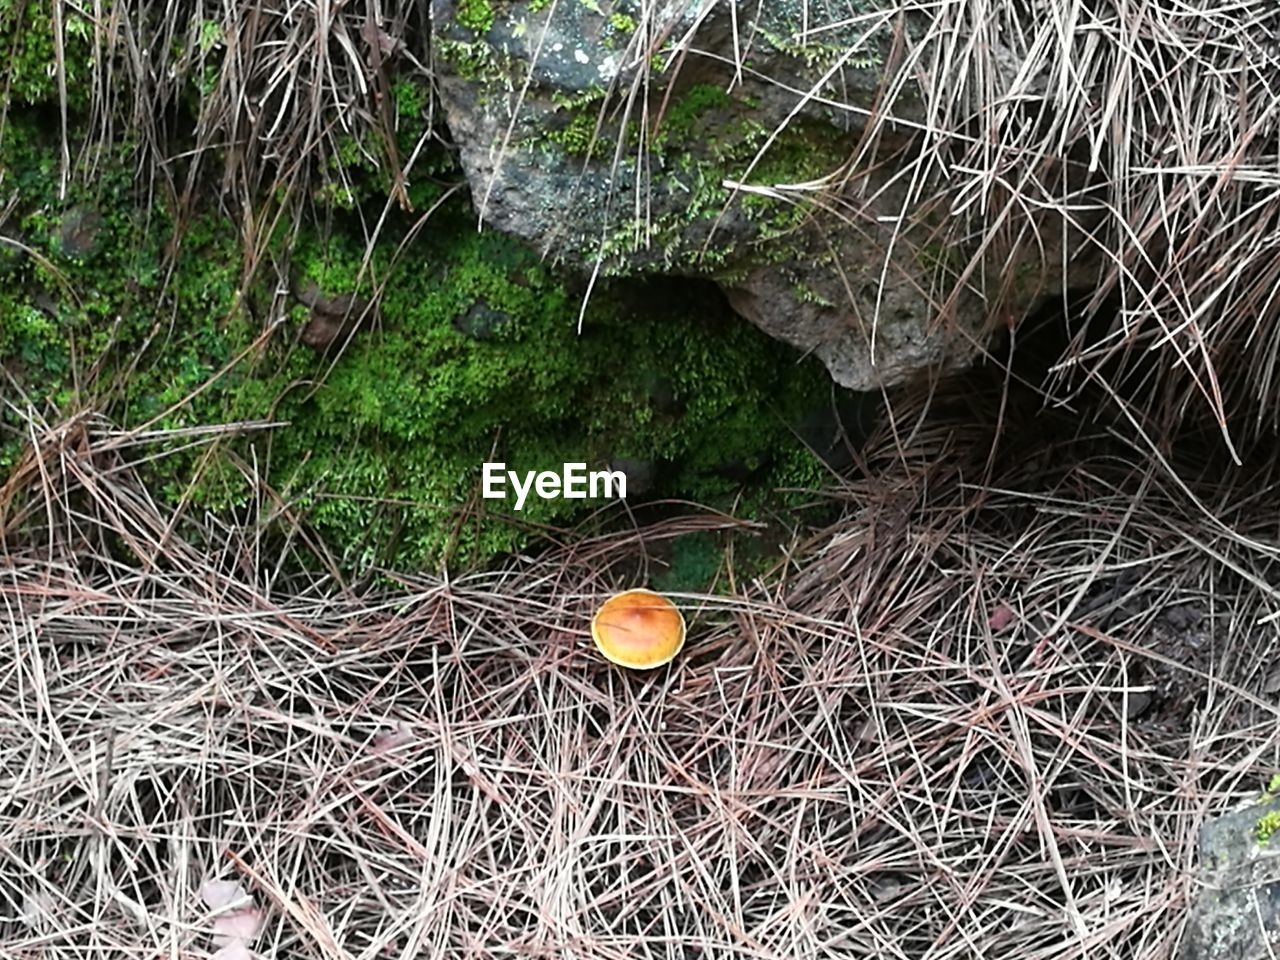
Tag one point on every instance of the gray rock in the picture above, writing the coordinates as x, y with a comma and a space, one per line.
1237, 911
868, 334
618, 144
1137, 703
482, 322
334, 318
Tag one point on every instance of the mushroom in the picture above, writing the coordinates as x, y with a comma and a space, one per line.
639, 629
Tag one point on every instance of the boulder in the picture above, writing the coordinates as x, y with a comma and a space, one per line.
729, 141
1237, 910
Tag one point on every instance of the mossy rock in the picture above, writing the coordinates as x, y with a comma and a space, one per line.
1237, 911
550, 85
585, 129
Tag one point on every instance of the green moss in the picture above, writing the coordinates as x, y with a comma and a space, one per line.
824, 53
591, 96
413, 410
618, 31
804, 293
577, 138
27, 46
476, 15
704, 138
686, 112
576, 133
1266, 826
473, 60
1271, 790
362, 169
696, 561
794, 29
210, 35
476, 355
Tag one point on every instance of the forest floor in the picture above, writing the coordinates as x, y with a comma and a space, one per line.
983, 709
984, 713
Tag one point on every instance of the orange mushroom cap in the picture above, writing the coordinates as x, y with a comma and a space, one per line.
638, 629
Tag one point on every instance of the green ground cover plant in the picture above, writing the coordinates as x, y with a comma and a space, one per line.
474, 352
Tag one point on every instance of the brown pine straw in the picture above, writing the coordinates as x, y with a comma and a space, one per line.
920, 737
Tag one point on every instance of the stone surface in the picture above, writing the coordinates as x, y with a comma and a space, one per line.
333, 319
869, 333
1237, 911
701, 139
482, 322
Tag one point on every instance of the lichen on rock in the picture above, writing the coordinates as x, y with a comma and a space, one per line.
1237, 908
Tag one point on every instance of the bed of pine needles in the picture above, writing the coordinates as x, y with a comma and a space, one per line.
983, 713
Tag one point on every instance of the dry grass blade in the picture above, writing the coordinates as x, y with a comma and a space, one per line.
981, 715
929, 740
1139, 138
1145, 127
